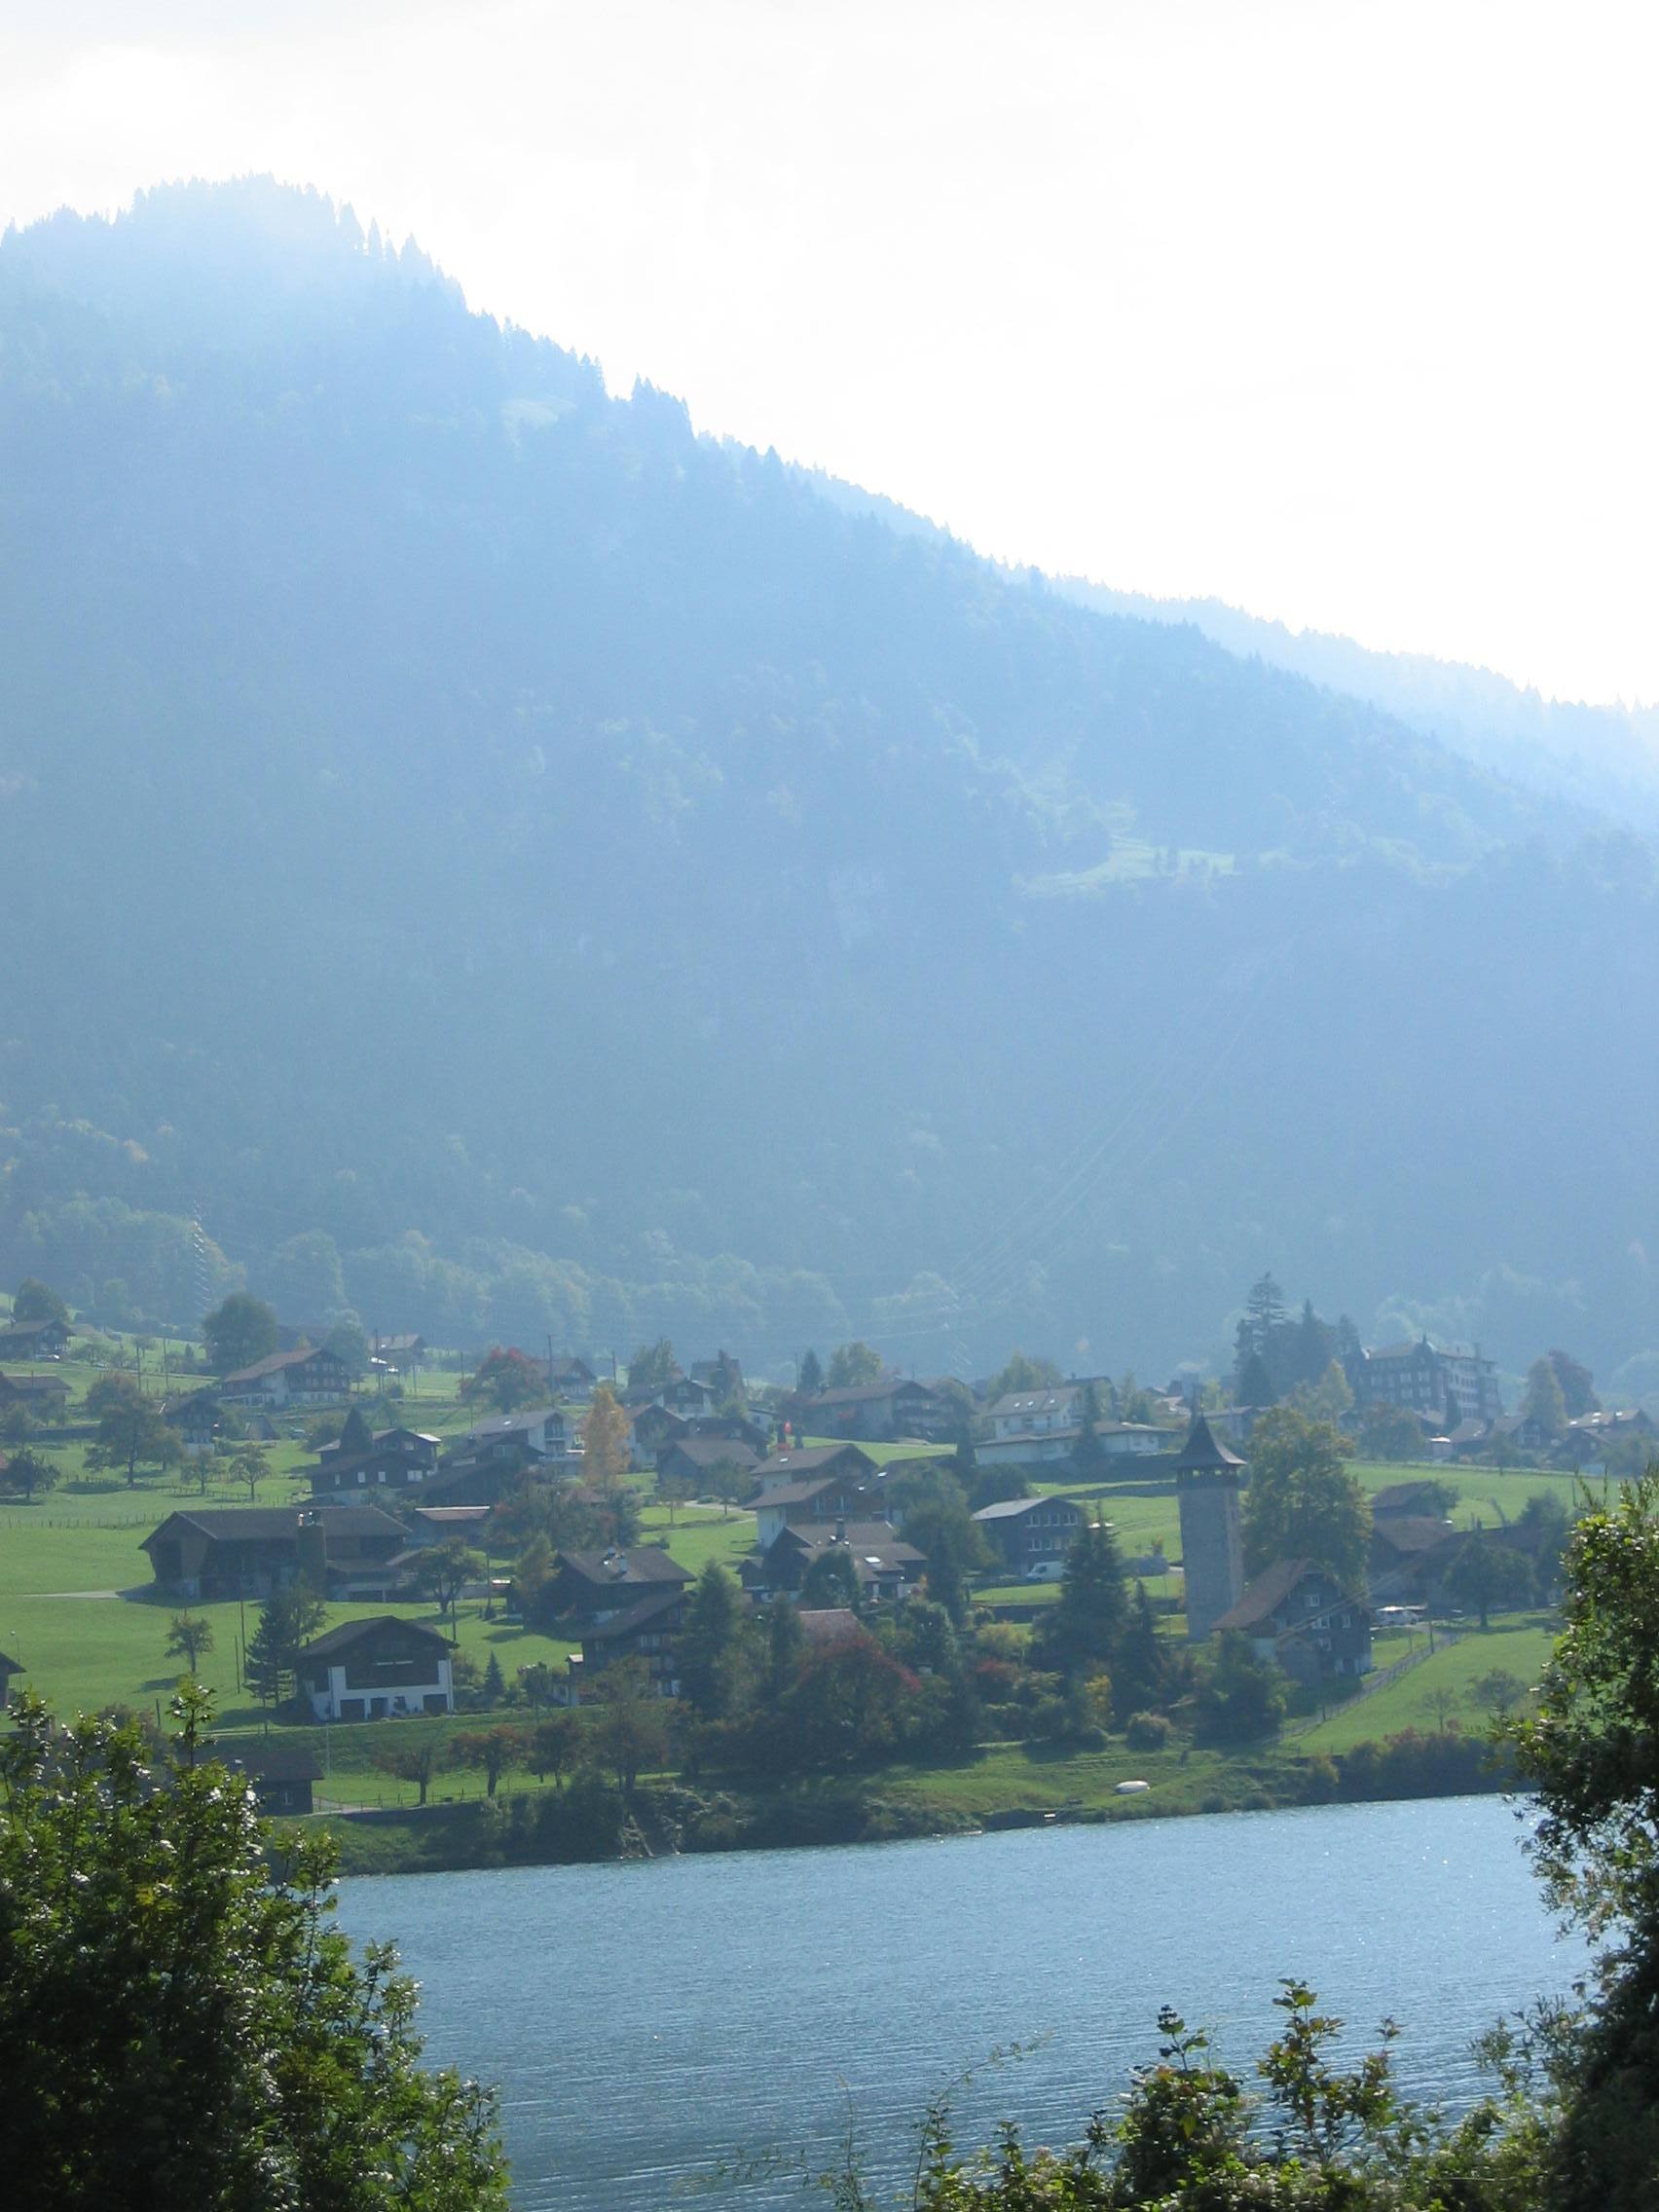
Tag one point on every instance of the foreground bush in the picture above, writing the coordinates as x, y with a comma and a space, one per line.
180, 2026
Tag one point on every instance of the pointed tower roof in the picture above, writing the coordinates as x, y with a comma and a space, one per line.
1203, 1455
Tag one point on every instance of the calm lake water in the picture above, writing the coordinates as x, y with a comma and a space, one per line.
649, 2023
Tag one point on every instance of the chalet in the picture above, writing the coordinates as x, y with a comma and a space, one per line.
692, 1458
34, 1340
375, 1670
723, 1375
1029, 1428
283, 1776
652, 1428
7, 1668
825, 1482
1299, 1614
826, 1626
401, 1354
683, 1395
248, 1551
43, 1395
434, 1524
592, 1586
1430, 1379
391, 1459
1595, 1441
1134, 1439
542, 1435
647, 1630
568, 1376
885, 1566
1031, 1532
307, 1376
876, 1412
196, 1420
737, 1428
1410, 1557
1417, 1500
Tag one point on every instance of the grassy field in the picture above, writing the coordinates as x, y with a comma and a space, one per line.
1516, 1645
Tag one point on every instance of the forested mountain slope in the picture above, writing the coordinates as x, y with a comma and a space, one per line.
519, 867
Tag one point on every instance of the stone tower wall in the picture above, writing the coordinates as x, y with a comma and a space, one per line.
1213, 1550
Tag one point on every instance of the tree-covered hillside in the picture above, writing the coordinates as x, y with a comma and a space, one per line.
522, 868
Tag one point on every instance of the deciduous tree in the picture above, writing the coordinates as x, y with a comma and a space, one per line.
1302, 1503
239, 1331
189, 1635
180, 2023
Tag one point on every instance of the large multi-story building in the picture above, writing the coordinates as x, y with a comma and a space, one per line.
1430, 1379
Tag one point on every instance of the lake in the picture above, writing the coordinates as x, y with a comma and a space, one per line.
648, 2022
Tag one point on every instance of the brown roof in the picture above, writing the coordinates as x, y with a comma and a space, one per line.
808, 1460
712, 1450
276, 1360
646, 1564
350, 1633
1415, 1533
264, 1523
635, 1616
1201, 1450
1263, 1597
831, 1624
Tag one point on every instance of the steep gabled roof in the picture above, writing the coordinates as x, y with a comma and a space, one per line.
1263, 1597
350, 1634
1011, 1508
637, 1616
614, 1570
263, 1524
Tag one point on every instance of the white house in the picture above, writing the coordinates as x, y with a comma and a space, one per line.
376, 1670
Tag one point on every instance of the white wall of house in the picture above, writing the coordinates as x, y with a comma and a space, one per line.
402, 1698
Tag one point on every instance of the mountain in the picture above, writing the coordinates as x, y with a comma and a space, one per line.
520, 867
1602, 758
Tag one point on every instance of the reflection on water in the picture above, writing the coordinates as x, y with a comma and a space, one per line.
648, 2022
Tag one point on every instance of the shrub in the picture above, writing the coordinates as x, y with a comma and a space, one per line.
1149, 1731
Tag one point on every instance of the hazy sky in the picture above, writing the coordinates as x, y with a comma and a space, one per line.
1343, 313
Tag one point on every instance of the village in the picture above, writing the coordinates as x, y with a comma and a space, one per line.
829, 1575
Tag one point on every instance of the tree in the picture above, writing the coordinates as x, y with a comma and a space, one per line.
1254, 1385
414, 1759
674, 1492
189, 1635
653, 1367
506, 1380
1311, 1347
1588, 1752
35, 1301
631, 1732
1239, 1697
1023, 1372
239, 1331
1331, 1397
536, 1682
1544, 1402
288, 1619
1542, 1530
1578, 1385
711, 1650
938, 1522
809, 1375
605, 1442
1489, 1572
495, 1681
534, 1570
853, 1366
731, 1482
130, 1429
29, 1471
1080, 1630
1389, 1432
1498, 1690
1141, 1664
492, 1749
444, 1570
173, 1981
785, 1646
1302, 1503
832, 1581
556, 1745
349, 1341
249, 1467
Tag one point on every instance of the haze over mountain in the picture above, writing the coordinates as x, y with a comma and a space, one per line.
523, 869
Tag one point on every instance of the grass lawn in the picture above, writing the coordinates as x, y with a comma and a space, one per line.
1517, 1643
883, 1454
699, 1535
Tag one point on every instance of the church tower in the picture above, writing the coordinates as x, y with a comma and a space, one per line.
1207, 1478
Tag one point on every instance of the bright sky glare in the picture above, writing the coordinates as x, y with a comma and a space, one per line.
1339, 311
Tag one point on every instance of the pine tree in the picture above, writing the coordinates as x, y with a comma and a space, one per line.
288, 1618
495, 1681
1080, 1630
